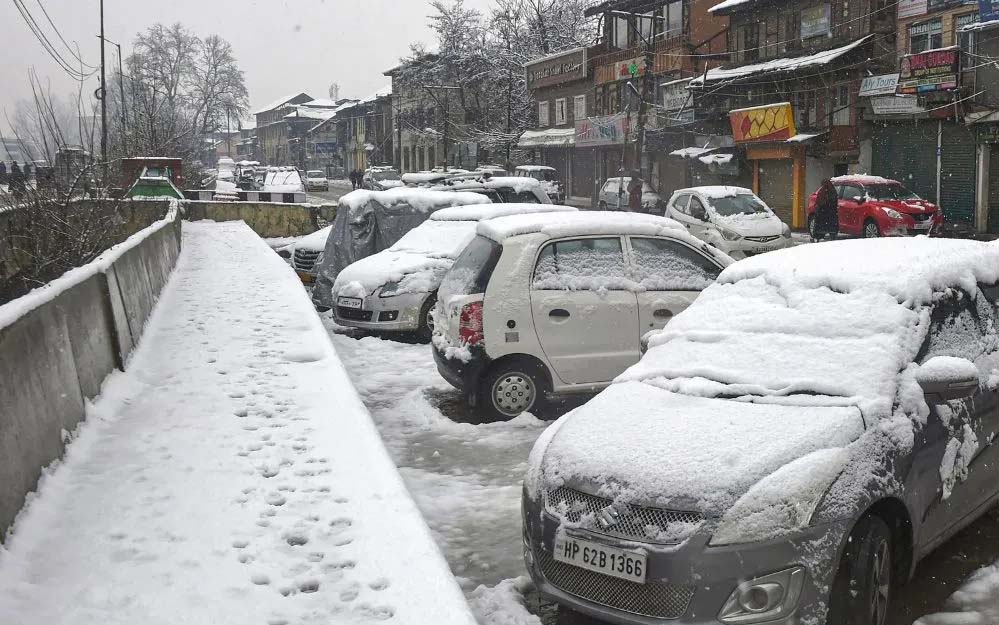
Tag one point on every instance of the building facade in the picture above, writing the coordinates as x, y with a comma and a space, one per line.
272, 131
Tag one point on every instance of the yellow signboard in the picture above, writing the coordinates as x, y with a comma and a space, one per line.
773, 122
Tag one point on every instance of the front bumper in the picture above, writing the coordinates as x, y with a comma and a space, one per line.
462, 375
689, 583
747, 247
398, 313
908, 226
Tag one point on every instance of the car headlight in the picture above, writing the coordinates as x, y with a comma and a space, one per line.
768, 598
728, 235
786, 231
389, 289
891, 212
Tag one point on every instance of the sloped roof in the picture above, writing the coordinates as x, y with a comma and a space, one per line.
273, 105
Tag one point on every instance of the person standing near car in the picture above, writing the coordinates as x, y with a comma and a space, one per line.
3, 172
826, 219
635, 193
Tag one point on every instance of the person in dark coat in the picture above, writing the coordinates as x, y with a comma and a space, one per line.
16, 180
3, 172
825, 221
635, 186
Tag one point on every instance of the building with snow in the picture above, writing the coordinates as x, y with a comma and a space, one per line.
282, 127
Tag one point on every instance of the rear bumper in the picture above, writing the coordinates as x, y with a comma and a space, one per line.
460, 374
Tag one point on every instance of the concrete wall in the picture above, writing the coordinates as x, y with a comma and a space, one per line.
56, 355
267, 220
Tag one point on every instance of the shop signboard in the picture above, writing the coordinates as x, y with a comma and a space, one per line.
936, 70
772, 122
600, 131
557, 70
621, 70
815, 21
879, 85
679, 118
896, 105
911, 8
676, 96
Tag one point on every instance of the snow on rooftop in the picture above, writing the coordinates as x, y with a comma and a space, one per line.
691, 152
276, 103
779, 65
716, 159
728, 4
570, 224
320, 103
492, 211
302, 112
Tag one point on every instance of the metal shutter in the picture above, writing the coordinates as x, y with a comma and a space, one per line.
777, 188
907, 152
994, 188
958, 173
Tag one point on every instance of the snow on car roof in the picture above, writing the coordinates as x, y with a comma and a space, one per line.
519, 184
864, 179
535, 168
424, 200
579, 223
717, 191
492, 211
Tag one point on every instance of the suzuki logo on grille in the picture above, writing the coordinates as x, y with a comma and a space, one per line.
608, 517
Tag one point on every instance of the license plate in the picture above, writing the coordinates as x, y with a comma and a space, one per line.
760, 250
307, 278
348, 302
924, 225
629, 565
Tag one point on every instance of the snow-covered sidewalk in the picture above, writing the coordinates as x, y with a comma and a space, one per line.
232, 475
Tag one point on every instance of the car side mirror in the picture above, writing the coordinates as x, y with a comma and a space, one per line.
945, 378
859, 199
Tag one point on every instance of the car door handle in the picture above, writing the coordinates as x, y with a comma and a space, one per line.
559, 313
663, 313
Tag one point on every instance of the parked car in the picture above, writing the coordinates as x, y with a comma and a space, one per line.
306, 254
493, 170
381, 179
396, 289
548, 177
498, 189
789, 447
543, 305
733, 219
368, 222
609, 197
315, 180
871, 206
282, 180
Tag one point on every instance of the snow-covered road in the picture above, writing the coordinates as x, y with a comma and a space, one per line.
466, 478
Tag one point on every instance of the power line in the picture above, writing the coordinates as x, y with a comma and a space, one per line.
65, 65
75, 54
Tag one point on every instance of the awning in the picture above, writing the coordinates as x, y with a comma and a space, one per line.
717, 159
691, 152
551, 138
805, 137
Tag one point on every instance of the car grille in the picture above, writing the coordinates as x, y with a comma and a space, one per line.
920, 217
305, 260
666, 601
634, 522
353, 314
763, 239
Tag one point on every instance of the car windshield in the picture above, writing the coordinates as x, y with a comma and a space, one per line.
470, 272
741, 204
887, 192
544, 175
385, 175
315, 174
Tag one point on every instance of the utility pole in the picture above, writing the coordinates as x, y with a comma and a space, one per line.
121, 89
647, 68
509, 88
104, 104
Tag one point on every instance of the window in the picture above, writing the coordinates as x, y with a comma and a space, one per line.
841, 106
681, 203
621, 33
646, 25
748, 40
696, 209
471, 271
561, 112
581, 265
579, 107
672, 22
925, 36
518, 197
543, 113
961, 327
665, 265
849, 191
965, 39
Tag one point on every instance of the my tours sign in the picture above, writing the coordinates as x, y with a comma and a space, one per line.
556, 70
936, 70
759, 124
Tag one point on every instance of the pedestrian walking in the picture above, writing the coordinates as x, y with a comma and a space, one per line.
353, 178
825, 220
3, 172
635, 187
16, 180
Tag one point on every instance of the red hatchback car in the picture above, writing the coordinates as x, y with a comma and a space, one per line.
871, 206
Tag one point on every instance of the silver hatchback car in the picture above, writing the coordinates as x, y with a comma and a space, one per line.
788, 449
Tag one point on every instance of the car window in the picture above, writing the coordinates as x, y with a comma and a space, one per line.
696, 208
667, 265
471, 271
518, 197
582, 265
851, 191
963, 327
680, 203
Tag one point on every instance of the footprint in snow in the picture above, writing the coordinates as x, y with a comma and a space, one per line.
260, 579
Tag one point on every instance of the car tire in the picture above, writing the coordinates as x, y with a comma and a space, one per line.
602, 205
871, 229
864, 582
425, 331
510, 389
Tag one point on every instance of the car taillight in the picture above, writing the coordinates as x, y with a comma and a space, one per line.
470, 324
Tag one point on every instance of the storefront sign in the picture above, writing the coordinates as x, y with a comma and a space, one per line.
911, 8
937, 70
815, 21
879, 85
679, 118
989, 10
896, 105
598, 131
773, 122
676, 96
557, 70
622, 70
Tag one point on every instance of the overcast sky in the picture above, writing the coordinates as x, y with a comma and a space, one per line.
283, 46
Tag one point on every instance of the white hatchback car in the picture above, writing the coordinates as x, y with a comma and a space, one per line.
396, 289
733, 219
549, 304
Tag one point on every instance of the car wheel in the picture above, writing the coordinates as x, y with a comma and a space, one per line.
426, 328
871, 229
602, 205
510, 389
865, 579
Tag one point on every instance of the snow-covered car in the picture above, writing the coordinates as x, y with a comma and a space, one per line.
614, 195
396, 289
306, 254
282, 180
733, 219
381, 179
315, 180
549, 304
547, 176
368, 222
789, 447
510, 189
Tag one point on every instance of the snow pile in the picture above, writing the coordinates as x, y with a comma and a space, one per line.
423, 200
943, 368
503, 604
976, 603
315, 242
231, 476
583, 223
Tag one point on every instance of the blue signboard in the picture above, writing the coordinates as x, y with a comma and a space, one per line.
989, 9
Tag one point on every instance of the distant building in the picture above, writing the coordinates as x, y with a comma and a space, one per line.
272, 128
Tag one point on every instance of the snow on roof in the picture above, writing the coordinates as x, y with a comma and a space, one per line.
691, 152
780, 65
863, 179
535, 168
309, 113
320, 103
276, 103
492, 211
979, 26
424, 200
728, 4
549, 137
716, 159
581, 223
805, 136
247, 124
